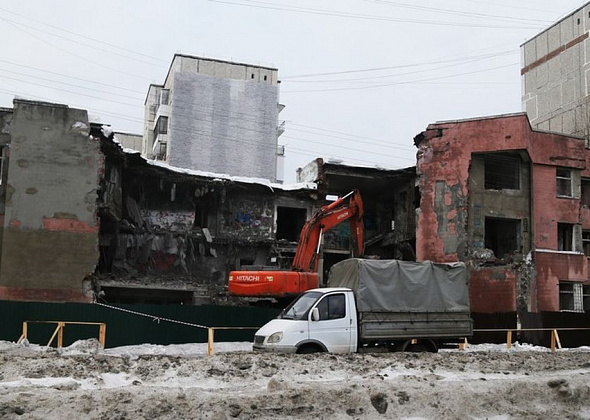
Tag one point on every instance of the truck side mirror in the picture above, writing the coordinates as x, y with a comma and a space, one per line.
315, 314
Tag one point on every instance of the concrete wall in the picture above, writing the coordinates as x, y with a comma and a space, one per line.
50, 227
223, 125
554, 71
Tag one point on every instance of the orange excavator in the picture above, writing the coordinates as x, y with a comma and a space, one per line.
303, 274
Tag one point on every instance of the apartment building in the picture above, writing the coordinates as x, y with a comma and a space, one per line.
216, 116
555, 78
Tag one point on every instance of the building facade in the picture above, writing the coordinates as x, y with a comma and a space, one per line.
513, 203
216, 116
555, 78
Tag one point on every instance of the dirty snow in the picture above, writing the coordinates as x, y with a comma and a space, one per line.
181, 382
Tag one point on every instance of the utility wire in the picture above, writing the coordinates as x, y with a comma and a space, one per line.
325, 12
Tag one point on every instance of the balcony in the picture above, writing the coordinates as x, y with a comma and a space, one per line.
281, 128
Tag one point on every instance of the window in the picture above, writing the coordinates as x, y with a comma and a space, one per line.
502, 236
564, 182
501, 172
572, 296
162, 125
585, 192
565, 236
332, 307
2, 159
289, 223
164, 96
586, 242
586, 298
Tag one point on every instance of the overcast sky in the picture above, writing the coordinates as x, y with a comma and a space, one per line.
360, 78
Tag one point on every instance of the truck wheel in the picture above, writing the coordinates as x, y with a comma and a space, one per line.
308, 349
417, 348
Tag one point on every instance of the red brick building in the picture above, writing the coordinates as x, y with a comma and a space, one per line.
513, 203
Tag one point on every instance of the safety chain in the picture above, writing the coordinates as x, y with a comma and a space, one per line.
154, 318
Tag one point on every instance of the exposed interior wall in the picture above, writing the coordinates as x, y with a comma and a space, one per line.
50, 239
182, 234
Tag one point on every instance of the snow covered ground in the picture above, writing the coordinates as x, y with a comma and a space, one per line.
180, 381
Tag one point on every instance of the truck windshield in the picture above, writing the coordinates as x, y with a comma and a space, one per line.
299, 307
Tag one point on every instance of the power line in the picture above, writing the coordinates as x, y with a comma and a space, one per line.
458, 12
400, 83
325, 12
86, 37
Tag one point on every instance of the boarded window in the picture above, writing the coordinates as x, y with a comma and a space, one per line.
564, 182
502, 236
565, 236
502, 172
289, 222
571, 297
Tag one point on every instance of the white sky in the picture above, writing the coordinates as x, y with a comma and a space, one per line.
382, 70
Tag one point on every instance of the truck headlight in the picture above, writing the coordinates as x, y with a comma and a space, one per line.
275, 337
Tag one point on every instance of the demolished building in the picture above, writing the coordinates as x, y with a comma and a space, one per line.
389, 198
82, 215
512, 202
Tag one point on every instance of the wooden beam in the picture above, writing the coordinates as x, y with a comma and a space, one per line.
210, 338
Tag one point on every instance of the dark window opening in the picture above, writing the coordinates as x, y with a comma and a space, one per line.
585, 192
252, 77
586, 242
565, 235
332, 307
502, 172
265, 78
566, 296
289, 222
417, 197
502, 236
586, 298
149, 296
564, 182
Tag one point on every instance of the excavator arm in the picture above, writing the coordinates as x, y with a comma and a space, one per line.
349, 207
303, 275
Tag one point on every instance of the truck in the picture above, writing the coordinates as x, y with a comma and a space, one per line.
272, 282
375, 305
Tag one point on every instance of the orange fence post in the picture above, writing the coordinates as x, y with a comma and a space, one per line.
509, 339
102, 334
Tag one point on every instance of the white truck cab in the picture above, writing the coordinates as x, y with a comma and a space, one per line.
318, 320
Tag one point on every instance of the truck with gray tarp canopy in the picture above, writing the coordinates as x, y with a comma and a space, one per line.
400, 300
376, 305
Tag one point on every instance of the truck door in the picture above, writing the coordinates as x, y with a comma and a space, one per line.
333, 328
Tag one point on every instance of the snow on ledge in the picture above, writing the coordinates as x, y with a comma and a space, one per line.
226, 177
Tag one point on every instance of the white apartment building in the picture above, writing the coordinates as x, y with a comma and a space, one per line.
555, 75
216, 116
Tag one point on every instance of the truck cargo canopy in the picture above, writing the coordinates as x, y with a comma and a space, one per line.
403, 286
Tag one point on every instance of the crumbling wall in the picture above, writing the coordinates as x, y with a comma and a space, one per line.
50, 235
454, 206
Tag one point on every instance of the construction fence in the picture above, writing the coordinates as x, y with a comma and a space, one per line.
133, 323
177, 324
